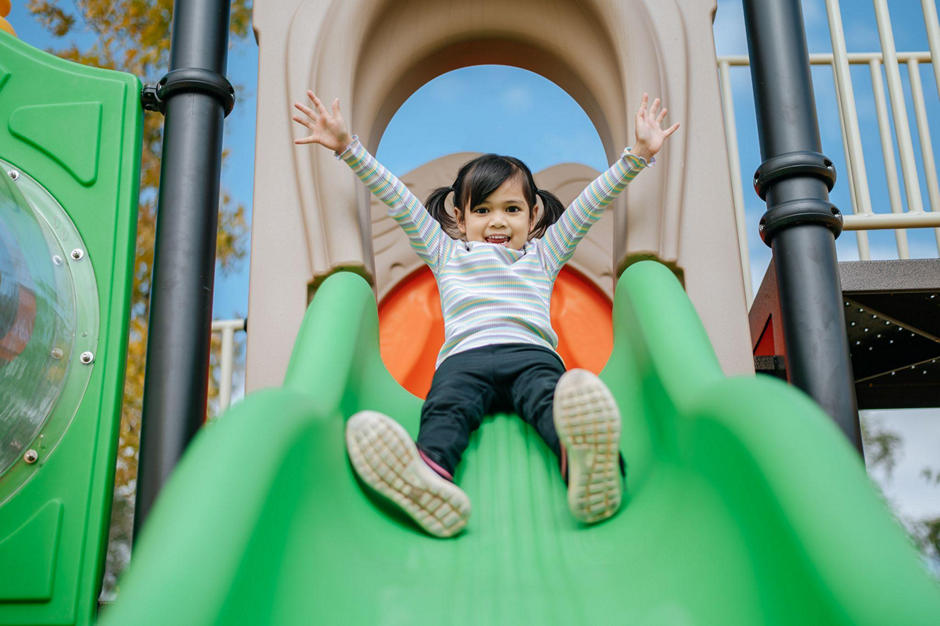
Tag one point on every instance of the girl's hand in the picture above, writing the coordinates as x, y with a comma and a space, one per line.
650, 135
326, 128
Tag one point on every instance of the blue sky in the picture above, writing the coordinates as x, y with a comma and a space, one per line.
493, 108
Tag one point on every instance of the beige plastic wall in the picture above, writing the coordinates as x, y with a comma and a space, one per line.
311, 216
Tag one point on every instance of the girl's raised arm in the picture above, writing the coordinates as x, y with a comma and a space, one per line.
563, 236
328, 129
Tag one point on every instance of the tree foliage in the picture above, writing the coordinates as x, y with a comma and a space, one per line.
134, 36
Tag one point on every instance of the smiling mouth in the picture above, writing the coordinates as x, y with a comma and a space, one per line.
502, 240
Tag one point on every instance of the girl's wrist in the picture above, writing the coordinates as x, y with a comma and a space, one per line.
643, 152
344, 143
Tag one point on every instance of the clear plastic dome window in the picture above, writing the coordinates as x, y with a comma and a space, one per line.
48, 317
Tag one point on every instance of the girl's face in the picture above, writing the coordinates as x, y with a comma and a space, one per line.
503, 218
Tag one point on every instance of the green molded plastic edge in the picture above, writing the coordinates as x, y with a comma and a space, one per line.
744, 503
102, 204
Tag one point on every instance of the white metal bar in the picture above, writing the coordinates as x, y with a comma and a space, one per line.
902, 129
887, 149
852, 143
225, 365
875, 221
226, 357
933, 39
734, 164
926, 147
825, 58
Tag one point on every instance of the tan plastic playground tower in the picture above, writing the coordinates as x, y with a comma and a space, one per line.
311, 216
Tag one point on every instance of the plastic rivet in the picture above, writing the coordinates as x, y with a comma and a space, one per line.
77, 254
13, 174
57, 353
31, 456
87, 357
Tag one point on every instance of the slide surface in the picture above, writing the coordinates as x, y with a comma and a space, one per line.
744, 503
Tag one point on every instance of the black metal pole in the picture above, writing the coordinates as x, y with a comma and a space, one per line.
800, 224
195, 97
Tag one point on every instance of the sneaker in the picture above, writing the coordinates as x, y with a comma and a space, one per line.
387, 460
588, 424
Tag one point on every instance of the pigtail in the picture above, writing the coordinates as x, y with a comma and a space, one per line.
551, 211
437, 207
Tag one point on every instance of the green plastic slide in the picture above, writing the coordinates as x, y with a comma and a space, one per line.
745, 505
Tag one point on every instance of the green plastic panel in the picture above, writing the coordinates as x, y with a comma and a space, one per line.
70, 155
745, 504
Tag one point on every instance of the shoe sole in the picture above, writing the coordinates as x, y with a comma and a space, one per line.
588, 424
386, 459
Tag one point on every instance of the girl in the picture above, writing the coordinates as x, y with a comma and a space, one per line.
495, 260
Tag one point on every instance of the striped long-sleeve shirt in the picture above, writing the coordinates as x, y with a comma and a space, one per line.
492, 294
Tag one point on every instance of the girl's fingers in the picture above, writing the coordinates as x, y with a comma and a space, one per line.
336, 107
305, 110
304, 140
302, 122
654, 108
661, 116
671, 130
320, 108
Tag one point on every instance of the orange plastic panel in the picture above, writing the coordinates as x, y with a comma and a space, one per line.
411, 327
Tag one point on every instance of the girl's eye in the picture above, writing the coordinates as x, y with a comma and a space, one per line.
480, 210
513, 209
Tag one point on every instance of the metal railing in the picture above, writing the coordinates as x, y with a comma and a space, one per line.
863, 217
227, 330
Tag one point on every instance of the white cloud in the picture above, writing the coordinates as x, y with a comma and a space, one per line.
909, 493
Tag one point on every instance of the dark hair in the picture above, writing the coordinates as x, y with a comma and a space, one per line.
478, 178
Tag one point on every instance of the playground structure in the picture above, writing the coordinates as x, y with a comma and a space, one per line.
735, 515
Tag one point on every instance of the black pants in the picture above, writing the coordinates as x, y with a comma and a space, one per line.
468, 385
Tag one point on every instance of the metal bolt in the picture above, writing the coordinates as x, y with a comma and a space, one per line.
87, 357
14, 174
77, 254
57, 353
31, 456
